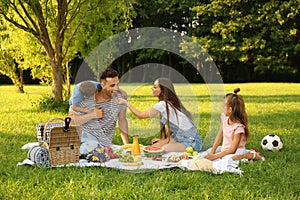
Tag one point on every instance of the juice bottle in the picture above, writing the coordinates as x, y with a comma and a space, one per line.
135, 146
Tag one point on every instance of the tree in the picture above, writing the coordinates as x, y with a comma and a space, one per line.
55, 24
9, 68
174, 15
20, 51
262, 35
36, 17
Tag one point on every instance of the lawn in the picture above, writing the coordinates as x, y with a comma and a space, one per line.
271, 107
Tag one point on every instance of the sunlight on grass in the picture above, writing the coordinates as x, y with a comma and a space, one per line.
271, 107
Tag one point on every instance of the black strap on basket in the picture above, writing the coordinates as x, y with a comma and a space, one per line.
67, 124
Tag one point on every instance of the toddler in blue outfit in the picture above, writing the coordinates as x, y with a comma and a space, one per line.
82, 91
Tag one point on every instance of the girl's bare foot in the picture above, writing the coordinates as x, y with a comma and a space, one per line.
254, 154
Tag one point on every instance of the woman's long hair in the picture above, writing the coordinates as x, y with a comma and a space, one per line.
168, 95
238, 113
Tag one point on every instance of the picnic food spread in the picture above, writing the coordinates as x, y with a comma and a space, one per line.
129, 155
155, 153
128, 147
142, 153
177, 158
117, 156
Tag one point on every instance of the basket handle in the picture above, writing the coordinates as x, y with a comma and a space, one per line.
67, 121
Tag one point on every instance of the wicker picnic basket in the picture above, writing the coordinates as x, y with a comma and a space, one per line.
64, 142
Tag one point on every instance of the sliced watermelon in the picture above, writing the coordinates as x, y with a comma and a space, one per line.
152, 148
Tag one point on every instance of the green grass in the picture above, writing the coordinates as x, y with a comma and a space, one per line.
271, 107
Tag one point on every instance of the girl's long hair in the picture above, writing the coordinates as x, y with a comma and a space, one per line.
238, 113
169, 96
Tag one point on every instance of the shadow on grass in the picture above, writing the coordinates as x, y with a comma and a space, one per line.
271, 98
280, 120
247, 98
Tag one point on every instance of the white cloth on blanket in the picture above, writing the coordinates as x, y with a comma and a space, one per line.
30, 145
220, 166
226, 164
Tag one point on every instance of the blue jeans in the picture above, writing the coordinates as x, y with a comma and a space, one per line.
88, 143
188, 138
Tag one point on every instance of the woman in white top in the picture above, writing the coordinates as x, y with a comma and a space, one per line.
180, 131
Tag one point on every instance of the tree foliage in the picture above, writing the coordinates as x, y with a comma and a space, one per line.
175, 15
36, 18
8, 65
55, 24
20, 51
262, 35
243, 37
25, 52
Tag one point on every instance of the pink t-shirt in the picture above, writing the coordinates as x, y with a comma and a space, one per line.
229, 131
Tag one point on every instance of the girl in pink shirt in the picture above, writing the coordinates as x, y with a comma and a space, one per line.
234, 132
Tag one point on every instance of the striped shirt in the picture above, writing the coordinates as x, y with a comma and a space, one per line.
103, 129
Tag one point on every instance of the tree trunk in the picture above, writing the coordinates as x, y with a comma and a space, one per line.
68, 80
21, 82
16, 79
56, 63
57, 81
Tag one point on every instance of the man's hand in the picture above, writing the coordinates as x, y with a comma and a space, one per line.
99, 113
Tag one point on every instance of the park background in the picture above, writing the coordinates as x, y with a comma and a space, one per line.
250, 41
254, 44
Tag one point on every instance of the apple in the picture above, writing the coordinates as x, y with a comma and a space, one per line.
189, 150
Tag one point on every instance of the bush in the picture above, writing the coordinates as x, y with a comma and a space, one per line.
48, 103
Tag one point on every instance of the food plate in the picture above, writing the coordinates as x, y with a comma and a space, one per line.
193, 157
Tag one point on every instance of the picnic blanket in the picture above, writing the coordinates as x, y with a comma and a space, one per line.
218, 167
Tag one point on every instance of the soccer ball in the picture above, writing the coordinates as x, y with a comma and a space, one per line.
271, 142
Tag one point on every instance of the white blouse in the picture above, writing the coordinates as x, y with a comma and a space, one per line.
181, 120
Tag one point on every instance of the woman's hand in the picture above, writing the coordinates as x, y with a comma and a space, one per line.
123, 93
121, 101
155, 140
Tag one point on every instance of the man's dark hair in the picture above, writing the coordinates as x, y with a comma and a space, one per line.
108, 73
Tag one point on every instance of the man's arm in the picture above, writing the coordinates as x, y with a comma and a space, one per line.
123, 126
82, 119
80, 109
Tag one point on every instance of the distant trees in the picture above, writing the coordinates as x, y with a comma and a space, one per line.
244, 38
175, 15
250, 36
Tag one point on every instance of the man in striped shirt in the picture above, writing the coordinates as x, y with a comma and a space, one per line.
98, 127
